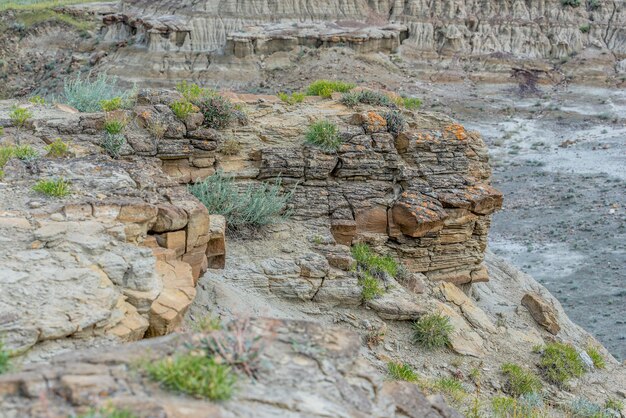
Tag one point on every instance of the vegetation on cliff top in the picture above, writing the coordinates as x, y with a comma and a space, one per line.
432, 331
324, 135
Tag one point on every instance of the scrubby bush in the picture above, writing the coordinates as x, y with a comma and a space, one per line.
326, 88
193, 92
108, 412
596, 357
373, 263
371, 288
53, 187
207, 323
19, 116
25, 153
37, 100
251, 207
195, 375
57, 149
520, 381
4, 359
115, 125
112, 144
292, 98
324, 135
411, 103
231, 147
560, 363
432, 331
583, 408
395, 122
401, 371
570, 3
451, 388
585, 28
530, 406
593, 5
111, 104
370, 97
218, 111
182, 109
86, 95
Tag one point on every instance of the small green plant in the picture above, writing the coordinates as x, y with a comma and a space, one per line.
207, 323
520, 381
401, 371
195, 375
526, 406
112, 144
182, 109
570, 3
115, 125
614, 404
326, 88
108, 412
53, 187
369, 97
193, 92
37, 100
583, 408
218, 111
372, 262
451, 388
370, 287
293, 98
324, 135
559, 363
596, 357
57, 149
86, 94
231, 147
245, 208
432, 331
593, 5
111, 104
4, 359
395, 122
411, 103
585, 28
19, 116
25, 153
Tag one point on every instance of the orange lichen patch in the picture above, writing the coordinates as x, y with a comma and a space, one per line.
457, 130
424, 137
375, 122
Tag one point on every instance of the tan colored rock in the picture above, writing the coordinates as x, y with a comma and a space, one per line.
397, 304
170, 218
416, 214
372, 220
471, 312
542, 312
176, 241
463, 339
216, 247
343, 231
197, 259
138, 212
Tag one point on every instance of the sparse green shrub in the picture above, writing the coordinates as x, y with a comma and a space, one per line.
582, 408
182, 109
370, 97
324, 135
4, 359
108, 412
53, 187
236, 346
326, 88
207, 323
559, 363
292, 98
614, 405
593, 5
395, 122
87, 95
451, 388
401, 371
195, 375
19, 116
570, 3
111, 104
57, 149
231, 147
596, 357
115, 125
37, 100
372, 262
193, 92
526, 406
520, 381
112, 144
432, 331
218, 111
371, 287
250, 207
411, 103
585, 28
25, 153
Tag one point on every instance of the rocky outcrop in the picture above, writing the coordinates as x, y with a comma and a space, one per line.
309, 371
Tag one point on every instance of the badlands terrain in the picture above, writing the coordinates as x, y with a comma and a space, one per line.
495, 210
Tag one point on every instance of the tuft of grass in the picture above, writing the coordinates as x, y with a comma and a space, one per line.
193, 92
451, 388
231, 147
570, 3
526, 406
410, 103
25, 153
19, 116
4, 359
324, 135
207, 323
86, 94
325, 88
53, 187
560, 363
372, 262
218, 111
583, 408
614, 404
108, 412
432, 331
293, 98
182, 109
401, 371
111, 104
57, 149
37, 100
596, 357
520, 381
585, 28
112, 144
38, 4
115, 125
195, 375
370, 287
395, 122
370, 97
252, 207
